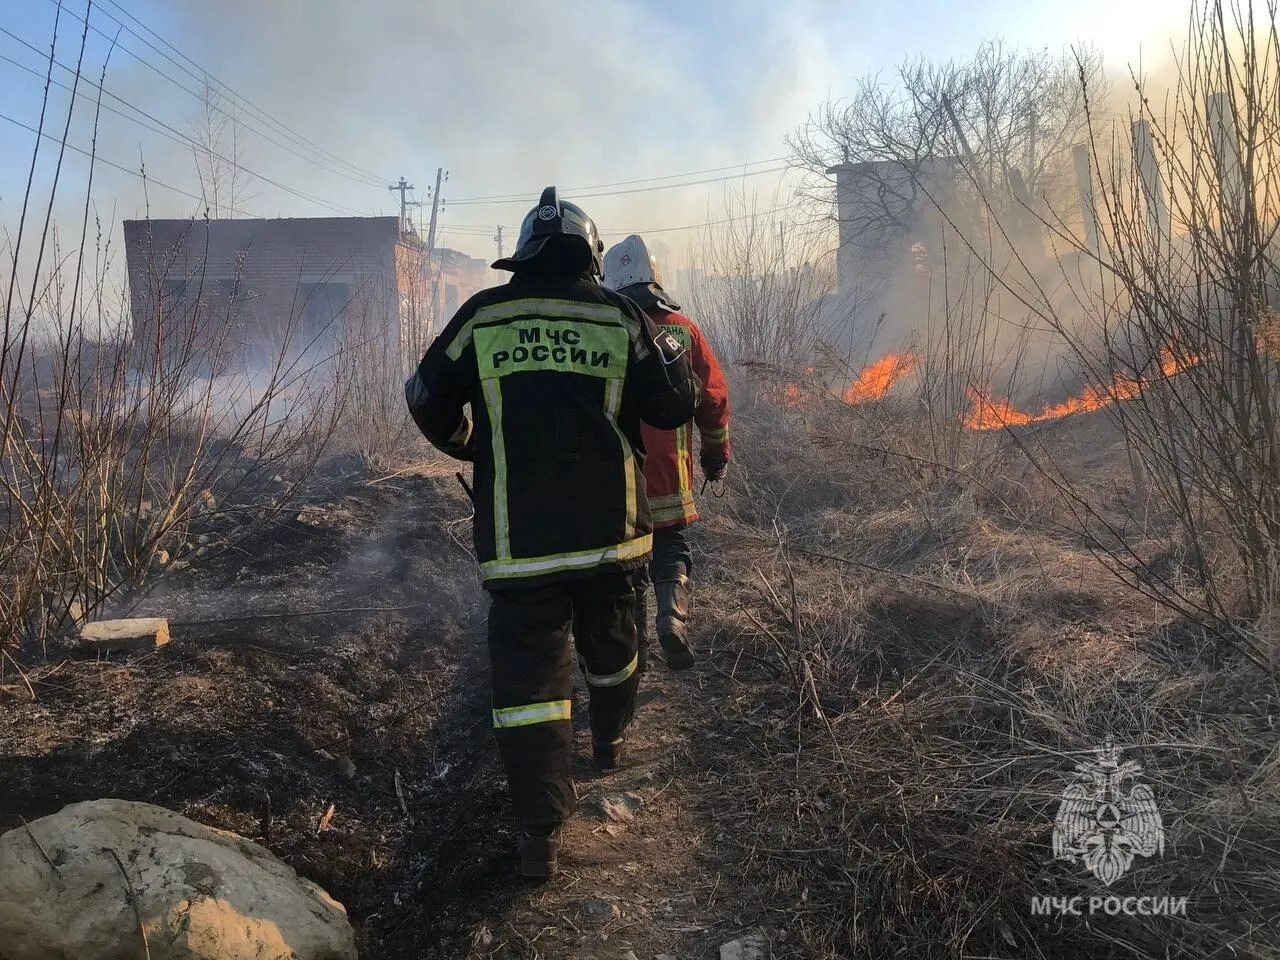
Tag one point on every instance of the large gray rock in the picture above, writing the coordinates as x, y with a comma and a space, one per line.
201, 894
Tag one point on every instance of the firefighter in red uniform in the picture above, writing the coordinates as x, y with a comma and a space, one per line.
630, 269
559, 372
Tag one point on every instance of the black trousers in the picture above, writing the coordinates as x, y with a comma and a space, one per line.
671, 553
531, 669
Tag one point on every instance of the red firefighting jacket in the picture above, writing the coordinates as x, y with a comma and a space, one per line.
668, 467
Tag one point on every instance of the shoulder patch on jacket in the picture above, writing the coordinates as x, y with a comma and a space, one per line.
669, 348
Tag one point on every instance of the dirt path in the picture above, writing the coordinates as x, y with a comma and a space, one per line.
356, 744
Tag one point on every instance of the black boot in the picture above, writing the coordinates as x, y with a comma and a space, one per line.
539, 852
673, 613
607, 753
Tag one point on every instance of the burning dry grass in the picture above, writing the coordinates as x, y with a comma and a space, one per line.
877, 379
892, 373
915, 667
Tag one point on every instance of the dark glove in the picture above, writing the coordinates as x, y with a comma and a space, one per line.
713, 468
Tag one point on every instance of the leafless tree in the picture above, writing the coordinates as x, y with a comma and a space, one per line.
218, 151
1176, 323
118, 459
763, 293
976, 144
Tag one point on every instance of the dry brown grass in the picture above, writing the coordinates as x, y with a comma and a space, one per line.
914, 663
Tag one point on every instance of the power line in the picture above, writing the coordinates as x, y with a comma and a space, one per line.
580, 193
362, 178
626, 183
168, 131
205, 76
475, 230
697, 226
103, 160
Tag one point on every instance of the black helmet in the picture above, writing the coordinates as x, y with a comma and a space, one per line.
553, 217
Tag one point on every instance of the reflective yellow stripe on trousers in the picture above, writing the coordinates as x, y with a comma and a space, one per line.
556, 562
531, 713
612, 679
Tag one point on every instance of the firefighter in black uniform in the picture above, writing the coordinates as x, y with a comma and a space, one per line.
559, 372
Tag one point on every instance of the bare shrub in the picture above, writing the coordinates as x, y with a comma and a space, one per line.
122, 458
762, 296
980, 141
371, 366
910, 682
1174, 326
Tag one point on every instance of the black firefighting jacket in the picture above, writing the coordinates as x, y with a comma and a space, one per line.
558, 374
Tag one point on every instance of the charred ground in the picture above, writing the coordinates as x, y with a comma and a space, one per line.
326, 694
898, 675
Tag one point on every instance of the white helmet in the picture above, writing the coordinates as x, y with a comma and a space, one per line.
629, 262
630, 267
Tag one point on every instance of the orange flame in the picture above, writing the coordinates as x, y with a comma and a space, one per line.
989, 414
874, 382
793, 394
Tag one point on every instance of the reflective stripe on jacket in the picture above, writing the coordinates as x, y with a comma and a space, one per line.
558, 374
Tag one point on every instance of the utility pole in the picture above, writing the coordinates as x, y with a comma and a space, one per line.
498, 238
403, 189
1084, 183
441, 175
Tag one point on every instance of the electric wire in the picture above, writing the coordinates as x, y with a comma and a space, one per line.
204, 75
626, 183
366, 179
168, 132
103, 160
587, 195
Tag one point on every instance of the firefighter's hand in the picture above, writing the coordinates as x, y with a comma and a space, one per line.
713, 468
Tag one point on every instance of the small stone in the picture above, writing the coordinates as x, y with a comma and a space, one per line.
622, 807
137, 633
630, 955
598, 911
346, 767
751, 947
162, 558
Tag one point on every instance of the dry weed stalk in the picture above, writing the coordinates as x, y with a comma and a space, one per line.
119, 458
893, 787
1175, 326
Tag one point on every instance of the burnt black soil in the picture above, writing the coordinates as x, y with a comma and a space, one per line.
262, 724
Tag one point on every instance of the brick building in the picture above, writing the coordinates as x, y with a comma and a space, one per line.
246, 284
455, 277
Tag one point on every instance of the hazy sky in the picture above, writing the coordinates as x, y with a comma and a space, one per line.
508, 95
